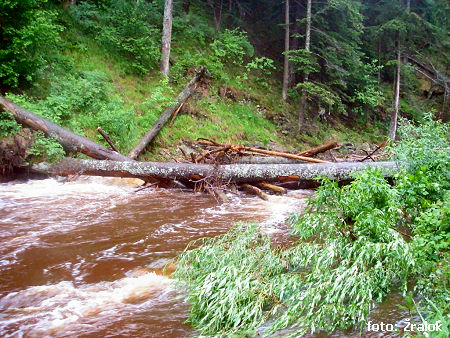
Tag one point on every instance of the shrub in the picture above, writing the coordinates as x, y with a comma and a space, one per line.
46, 148
28, 36
84, 101
349, 256
129, 29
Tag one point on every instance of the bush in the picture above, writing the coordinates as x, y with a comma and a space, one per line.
28, 37
129, 29
46, 148
349, 256
84, 101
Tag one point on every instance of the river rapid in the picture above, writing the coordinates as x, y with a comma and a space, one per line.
85, 258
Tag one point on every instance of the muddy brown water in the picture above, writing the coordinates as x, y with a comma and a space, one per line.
85, 258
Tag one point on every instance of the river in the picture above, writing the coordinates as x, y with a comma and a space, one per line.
85, 258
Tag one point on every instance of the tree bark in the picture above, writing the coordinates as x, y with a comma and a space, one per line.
217, 11
186, 6
320, 149
182, 97
70, 141
238, 173
108, 139
294, 43
302, 107
286, 50
272, 187
393, 129
256, 191
166, 37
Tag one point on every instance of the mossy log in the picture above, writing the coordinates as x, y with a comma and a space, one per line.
70, 141
238, 173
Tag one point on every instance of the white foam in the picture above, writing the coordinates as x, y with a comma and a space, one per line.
50, 307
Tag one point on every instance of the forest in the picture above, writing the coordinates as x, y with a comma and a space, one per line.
348, 97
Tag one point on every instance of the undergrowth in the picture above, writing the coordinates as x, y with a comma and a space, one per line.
350, 254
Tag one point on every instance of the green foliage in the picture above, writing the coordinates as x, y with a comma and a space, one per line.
84, 101
262, 66
46, 149
129, 29
232, 47
161, 97
29, 36
230, 294
349, 256
8, 126
423, 154
352, 256
367, 96
315, 92
304, 61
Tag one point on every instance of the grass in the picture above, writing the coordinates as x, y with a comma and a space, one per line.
253, 121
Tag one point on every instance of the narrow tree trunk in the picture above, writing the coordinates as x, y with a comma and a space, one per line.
294, 44
286, 50
217, 10
70, 141
186, 6
379, 60
182, 97
166, 37
301, 113
238, 173
320, 149
408, 5
393, 130
108, 139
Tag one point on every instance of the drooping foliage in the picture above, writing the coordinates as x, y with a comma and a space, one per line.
349, 256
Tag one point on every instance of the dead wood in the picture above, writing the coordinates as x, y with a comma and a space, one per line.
107, 139
272, 187
256, 191
320, 149
167, 114
217, 174
242, 148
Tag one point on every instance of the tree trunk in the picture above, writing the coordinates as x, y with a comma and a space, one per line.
393, 129
294, 44
166, 37
217, 10
70, 141
302, 107
238, 173
186, 6
320, 149
150, 135
286, 50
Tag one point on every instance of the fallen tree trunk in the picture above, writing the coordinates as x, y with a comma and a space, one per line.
239, 173
167, 114
320, 149
70, 141
256, 191
272, 187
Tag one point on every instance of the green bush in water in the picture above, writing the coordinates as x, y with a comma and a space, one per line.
349, 255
